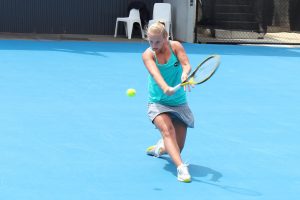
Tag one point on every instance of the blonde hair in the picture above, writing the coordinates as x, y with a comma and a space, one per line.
158, 28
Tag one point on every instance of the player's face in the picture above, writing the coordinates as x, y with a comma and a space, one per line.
156, 41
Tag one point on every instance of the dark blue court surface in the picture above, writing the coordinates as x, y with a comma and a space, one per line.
69, 132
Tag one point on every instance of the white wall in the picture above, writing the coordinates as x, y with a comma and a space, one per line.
183, 19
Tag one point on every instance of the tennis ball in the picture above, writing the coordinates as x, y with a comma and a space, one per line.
131, 92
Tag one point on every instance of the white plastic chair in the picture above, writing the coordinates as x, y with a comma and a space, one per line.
162, 12
134, 17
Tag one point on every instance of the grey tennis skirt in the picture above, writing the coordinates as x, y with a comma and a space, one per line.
182, 112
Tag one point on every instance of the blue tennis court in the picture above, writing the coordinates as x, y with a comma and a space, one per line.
68, 130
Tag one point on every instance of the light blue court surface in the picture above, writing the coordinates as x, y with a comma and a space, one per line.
69, 132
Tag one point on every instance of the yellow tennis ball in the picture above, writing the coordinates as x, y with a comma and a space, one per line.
131, 92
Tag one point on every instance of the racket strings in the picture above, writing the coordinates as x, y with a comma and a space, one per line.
205, 71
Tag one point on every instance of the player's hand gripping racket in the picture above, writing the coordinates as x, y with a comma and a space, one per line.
202, 73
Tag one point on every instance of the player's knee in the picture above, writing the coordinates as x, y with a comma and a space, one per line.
168, 131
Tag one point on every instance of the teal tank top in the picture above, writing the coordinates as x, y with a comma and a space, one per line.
171, 72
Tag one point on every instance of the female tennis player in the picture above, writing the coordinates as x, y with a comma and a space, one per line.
168, 65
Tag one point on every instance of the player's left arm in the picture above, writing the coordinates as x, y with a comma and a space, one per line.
183, 59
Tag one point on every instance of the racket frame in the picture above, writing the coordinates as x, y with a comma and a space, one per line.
186, 82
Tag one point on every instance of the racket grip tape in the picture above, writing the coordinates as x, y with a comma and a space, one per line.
177, 87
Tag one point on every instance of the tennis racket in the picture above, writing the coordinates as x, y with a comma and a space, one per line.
202, 73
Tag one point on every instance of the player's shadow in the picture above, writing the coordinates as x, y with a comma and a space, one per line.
198, 172
195, 170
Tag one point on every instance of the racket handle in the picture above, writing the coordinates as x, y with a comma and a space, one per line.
177, 87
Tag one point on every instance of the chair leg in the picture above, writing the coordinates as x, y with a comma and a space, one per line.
116, 29
171, 32
142, 31
129, 29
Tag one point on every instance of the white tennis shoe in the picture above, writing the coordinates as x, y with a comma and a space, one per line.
183, 174
156, 150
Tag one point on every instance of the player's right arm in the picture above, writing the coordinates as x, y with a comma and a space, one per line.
148, 59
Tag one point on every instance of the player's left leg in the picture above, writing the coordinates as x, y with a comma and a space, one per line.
181, 130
